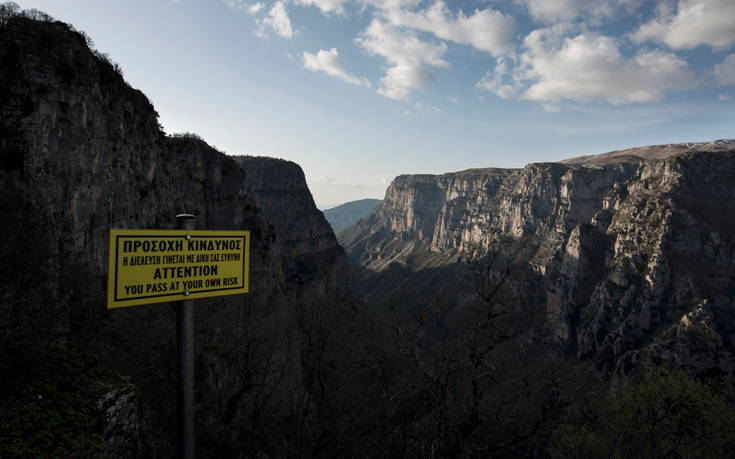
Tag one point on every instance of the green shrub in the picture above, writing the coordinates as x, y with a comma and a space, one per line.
666, 414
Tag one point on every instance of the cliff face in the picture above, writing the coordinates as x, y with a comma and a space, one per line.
665, 295
634, 249
463, 211
309, 249
91, 145
83, 152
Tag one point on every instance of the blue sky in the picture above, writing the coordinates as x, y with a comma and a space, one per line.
357, 92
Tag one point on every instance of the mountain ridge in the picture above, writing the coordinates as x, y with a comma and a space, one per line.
345, 215
650, 152
603, 261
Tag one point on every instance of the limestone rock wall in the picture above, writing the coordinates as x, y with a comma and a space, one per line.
634, 249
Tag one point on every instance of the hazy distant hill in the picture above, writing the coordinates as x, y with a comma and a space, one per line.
347, 214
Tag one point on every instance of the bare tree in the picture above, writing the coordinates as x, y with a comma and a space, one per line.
462, 394
7, 11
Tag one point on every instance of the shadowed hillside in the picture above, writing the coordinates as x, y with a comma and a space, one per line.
82, 152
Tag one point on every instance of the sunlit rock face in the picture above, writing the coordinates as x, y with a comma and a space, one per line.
635, 248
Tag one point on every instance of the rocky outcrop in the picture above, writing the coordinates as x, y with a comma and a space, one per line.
122, 429
307, 242
668, 274
84, 151
633, 249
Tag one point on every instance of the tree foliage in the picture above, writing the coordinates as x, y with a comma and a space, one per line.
8, 10
49, 410
458, 377
665, 414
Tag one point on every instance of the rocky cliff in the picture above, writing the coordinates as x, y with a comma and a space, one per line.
91, 145
633, 250
82, 152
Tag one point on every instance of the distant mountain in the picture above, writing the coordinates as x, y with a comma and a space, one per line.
346, 215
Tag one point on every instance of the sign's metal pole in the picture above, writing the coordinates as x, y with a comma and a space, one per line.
185, 354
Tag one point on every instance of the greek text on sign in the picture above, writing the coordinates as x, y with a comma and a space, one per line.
154, 266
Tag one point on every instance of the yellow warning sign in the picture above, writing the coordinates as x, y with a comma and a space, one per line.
154, 266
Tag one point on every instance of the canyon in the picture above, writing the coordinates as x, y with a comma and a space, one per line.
632, 250
462, 317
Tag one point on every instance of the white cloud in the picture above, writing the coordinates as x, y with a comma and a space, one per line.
391, 4
486, 30
497, 81
694, 23
277, 20
421, 109
236, 4
426, 109
243, 5
329, 63
552, 11
553, 108
322, 180
587, 67
725, 72
326, 6
723, 97
409, 59
590, 67
255, 8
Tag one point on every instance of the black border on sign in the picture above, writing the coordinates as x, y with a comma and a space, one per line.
117, 254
